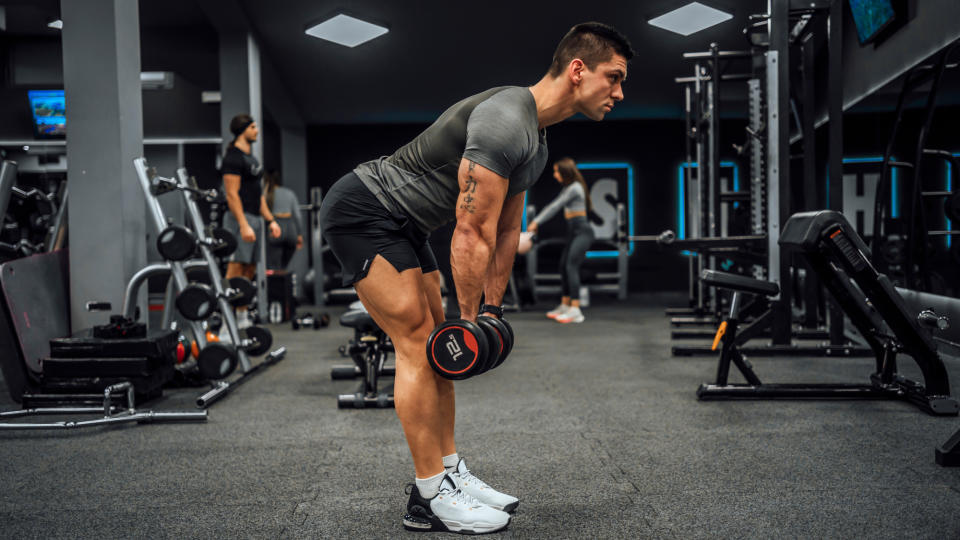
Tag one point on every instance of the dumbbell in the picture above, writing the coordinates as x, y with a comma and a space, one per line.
218, 360
459, 349
197, 301
178, 243
307, 319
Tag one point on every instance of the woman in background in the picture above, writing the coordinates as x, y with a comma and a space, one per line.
575, 201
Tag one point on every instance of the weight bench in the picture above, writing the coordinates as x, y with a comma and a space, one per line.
836, 254
369, 350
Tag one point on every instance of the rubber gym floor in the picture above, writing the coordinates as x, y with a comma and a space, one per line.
594, 426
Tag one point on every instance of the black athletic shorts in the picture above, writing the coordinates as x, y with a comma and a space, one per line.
358, 227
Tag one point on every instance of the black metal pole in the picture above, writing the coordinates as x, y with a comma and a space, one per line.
811, 201
835, 134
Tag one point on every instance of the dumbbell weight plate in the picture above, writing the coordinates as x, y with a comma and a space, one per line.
245, 291
457, 349
496, 337
894, 252
228, 242
955, 249
507, 342
217, 361
261, 336
322, 321
196, 301
176, 243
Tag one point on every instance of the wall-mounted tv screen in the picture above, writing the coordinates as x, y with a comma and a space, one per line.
48, 109
870, 17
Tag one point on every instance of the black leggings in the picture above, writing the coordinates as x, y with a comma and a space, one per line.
579, 238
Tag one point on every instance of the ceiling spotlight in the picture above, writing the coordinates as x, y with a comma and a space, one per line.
690, 18
346, 30
58, 24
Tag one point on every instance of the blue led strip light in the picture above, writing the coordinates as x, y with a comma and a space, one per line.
950, 188
682, 199
894, 200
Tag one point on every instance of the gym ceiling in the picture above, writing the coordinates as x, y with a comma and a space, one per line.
435, 53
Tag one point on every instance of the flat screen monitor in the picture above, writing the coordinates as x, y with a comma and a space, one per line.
48, 109
870, 17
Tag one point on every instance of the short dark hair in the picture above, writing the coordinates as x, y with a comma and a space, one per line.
240, 123
591, 42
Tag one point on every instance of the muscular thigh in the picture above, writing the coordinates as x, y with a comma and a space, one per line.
395, 299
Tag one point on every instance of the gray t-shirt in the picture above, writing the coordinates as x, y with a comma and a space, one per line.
571, 199
285, 202
497, 129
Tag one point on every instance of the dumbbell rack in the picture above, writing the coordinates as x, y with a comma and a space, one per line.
175, 269
186, 187
221, 388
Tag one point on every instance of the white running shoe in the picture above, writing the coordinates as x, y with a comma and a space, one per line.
558, 311
243, 319
573, 315
451, 510
224, 334
481, 491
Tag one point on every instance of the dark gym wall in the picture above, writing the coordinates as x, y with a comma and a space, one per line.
654, 147
933, 25
35, 63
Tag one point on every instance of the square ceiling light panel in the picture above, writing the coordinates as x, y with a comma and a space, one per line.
346, 30
691, 18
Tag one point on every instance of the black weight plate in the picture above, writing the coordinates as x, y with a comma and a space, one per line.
495, 338
261, 337
894, 252
227, 242
955, 249
244, 291
507, 332
176, 243
217, 361
321, 321
196, 301
457, 349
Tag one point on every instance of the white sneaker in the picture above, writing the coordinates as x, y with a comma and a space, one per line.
243, 319
573, 315
481, 491
558, 311
451, 510
224, 334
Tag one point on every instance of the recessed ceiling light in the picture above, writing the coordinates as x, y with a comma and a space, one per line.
346, 30
58, 24
691, 18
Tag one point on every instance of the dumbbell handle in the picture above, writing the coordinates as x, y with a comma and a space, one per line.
930, 319
211, 242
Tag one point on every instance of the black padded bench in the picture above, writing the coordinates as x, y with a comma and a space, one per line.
735, 282
359, 320
836, 253
369, 349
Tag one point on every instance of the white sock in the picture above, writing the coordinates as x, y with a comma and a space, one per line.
451, 461
429, 487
